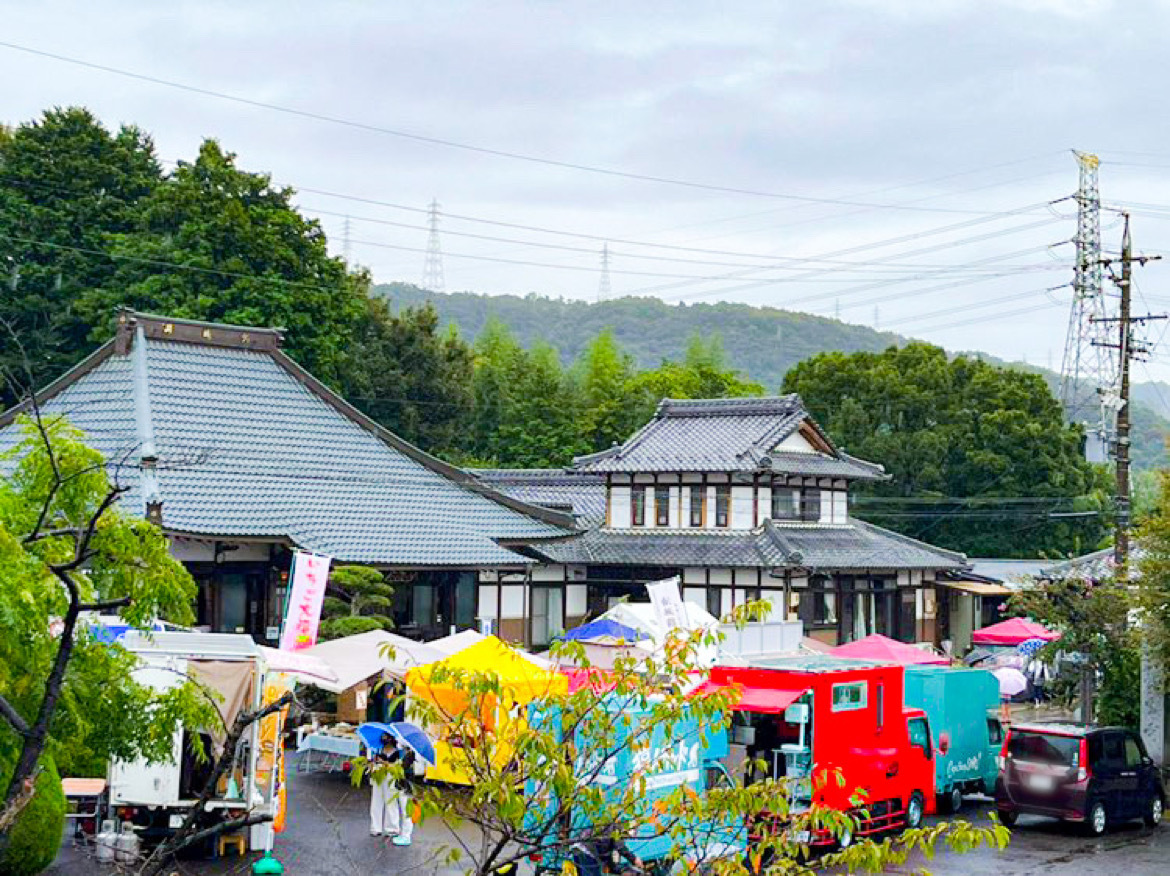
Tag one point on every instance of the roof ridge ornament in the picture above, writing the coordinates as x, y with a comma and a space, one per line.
194, 331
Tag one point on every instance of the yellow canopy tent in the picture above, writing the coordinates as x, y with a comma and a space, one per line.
461, 732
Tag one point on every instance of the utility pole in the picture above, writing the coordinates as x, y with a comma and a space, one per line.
1126, 351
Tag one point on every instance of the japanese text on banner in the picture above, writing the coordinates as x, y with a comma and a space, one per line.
306, 596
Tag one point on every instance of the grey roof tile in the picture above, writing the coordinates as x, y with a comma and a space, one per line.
724, 435
838, 547
583, 495
246, 448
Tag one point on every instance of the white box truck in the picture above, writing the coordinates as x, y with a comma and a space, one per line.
157, 797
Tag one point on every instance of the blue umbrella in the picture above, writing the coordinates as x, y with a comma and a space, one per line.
410, 735
1029, 647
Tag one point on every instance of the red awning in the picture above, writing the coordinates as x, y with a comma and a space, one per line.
769, 700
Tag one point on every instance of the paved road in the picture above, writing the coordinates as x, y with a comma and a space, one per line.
327, 836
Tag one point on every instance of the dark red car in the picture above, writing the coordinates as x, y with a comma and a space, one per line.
1095, 776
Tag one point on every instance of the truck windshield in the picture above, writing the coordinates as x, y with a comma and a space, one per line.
1045, 748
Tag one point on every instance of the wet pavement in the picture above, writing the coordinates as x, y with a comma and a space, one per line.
327, 835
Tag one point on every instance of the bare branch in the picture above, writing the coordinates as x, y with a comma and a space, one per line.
13, 717
105, 605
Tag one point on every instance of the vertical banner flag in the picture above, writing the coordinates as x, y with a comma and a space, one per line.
668, 604
310, 574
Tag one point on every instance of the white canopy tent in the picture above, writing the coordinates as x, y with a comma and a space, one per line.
353, 659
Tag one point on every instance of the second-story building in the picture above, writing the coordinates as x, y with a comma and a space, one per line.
743, 499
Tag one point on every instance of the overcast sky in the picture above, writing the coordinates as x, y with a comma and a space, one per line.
877, 146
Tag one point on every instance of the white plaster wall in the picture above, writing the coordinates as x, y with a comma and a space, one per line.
695, 575
741, 508
826, 506
548, 573
726, 605
487, 601
796, 443
576, 600
765, 508
721, 576
840, 506
512, 601
619, 507
710, 515
697, 595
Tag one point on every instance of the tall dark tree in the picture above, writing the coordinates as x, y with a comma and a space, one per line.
66, 185
961, 438
410, 375
218, 243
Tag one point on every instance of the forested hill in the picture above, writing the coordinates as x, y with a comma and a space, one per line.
762, 342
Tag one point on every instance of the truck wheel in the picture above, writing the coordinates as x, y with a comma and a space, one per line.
1008, 817
914, 811
951, 802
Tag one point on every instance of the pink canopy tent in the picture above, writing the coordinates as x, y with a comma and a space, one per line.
878, 647
1012, 632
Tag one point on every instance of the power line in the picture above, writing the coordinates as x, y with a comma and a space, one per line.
467, 147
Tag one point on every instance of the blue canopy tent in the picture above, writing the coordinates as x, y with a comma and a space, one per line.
604, 631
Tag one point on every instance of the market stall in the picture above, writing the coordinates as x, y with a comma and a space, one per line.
365, 668
521, 681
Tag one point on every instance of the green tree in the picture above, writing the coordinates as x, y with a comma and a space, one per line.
66, 185
1152, 576
247, 257
604, 370
957, 435
66, 550
1093, 619
703, 373
357, 600
542, 428
538, 787
410, 376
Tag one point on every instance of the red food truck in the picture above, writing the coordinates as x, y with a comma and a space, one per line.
814, 718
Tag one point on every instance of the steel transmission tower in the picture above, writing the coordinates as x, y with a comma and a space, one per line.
432, 279
605, 285
1088, 374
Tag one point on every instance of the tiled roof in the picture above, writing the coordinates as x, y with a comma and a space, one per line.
250, 445
856, 545
618, 547
726, 435
580, 494
837, 547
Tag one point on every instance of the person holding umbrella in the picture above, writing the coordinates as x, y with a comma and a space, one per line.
381, 790
389, 744
398, 802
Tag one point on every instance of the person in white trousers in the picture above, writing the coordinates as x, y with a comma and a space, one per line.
398, 795
382, 791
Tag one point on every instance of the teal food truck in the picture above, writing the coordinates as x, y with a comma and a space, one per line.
683, 755
961, 705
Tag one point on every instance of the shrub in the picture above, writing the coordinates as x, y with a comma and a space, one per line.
35, 838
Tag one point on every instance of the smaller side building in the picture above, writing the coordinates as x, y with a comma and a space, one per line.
743, 500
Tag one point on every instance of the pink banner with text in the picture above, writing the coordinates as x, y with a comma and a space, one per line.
305, 598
